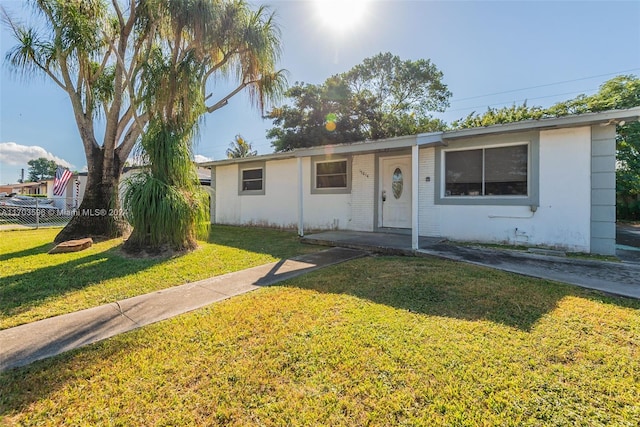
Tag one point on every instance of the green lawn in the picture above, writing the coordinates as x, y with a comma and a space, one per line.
35, 285
376, 341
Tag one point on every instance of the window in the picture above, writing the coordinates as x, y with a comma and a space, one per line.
496, 171
331, 176
251, 179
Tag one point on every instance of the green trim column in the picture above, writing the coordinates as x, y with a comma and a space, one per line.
603, 189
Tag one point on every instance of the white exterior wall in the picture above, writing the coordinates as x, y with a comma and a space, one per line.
363, 192
227, 203
323, 211
278, 207
565, 197
562, 220
428, 212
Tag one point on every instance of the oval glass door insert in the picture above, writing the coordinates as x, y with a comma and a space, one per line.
397, 183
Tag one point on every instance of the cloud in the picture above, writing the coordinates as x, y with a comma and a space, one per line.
18, 155
199, 158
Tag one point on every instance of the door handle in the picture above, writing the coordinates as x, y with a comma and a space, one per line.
384, 195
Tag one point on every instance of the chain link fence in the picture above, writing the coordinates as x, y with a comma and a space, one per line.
20, 212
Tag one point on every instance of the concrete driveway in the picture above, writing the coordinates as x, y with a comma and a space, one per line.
628, 242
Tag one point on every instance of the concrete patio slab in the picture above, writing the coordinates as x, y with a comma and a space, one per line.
618, 278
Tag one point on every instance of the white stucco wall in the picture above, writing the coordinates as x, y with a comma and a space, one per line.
428, 212
562, 219
278, 207
362, 192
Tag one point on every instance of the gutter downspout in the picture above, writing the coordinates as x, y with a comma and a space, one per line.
300, 200
212, 206
415, 176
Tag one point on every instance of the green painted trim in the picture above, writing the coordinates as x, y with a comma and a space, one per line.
603, 190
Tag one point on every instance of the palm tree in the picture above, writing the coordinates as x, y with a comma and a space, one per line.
239, 148
104, 53
165, 204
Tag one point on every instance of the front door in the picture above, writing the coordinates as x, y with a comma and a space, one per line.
395, 192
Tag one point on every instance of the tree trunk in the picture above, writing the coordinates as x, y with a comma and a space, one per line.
99, 214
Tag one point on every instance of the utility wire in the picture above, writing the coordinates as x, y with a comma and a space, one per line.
517, 101
544, 85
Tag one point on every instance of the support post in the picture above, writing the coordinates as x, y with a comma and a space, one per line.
37, 214
212, 205
300, 200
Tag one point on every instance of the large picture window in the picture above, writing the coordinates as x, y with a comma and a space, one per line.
495, 171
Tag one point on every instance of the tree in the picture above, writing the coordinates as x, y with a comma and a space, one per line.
381, 98
616, 93
239, 148
494, 116
165, 203
41, 168
98, 52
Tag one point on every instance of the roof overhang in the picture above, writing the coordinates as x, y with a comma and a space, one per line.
381, 145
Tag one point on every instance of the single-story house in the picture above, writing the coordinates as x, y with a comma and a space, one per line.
26, 188
548, 182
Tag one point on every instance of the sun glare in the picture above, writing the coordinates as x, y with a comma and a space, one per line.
340, 16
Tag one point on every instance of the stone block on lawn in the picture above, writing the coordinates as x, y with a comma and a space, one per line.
72, 246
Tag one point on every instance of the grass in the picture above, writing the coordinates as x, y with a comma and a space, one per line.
376, 341
35, 285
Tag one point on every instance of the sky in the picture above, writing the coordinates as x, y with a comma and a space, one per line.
491, 54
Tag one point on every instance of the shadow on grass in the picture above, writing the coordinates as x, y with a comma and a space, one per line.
23, 291
450, 289
44, 248
277, 243
424, 286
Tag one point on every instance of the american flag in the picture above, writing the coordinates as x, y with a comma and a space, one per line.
60, 181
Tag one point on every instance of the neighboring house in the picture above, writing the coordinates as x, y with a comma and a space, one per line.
72, 195
26, 189
129, 171
548, 182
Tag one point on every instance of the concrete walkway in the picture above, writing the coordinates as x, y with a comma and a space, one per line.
27, 343
618, 278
